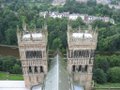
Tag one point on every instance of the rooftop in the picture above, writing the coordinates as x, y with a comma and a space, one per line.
82, 35
12, 85
58, 77
35, 36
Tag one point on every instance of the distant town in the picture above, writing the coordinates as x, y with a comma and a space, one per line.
85, 17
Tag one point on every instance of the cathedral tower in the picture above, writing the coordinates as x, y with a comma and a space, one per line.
80, 55
33, 54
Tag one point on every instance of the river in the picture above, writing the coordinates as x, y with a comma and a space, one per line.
13, 51
9, 51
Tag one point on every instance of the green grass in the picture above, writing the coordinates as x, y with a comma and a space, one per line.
108, 85
6, 76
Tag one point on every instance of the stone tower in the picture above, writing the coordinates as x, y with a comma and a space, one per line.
33, 54
80, 55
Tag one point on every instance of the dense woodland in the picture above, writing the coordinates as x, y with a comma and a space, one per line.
14, 12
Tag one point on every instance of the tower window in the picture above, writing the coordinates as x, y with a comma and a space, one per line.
82, 68
35, 69
33, 54
30, 69
73, 68
87, 53
79, 69
86, 68
41, 69
72, 54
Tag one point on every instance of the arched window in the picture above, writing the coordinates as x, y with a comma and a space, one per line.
30, 69
87, 53
86, 67
81, 53
73, 68
41, 69
72, 54
82, 69
79, 68
35, 69
76, 54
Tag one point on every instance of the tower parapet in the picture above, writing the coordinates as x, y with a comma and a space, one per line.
33, 54
82, 39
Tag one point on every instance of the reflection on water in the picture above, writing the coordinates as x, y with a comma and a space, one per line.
9, 51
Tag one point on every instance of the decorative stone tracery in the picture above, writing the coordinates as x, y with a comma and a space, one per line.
33, 55
80, 55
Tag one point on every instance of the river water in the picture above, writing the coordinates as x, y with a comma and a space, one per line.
9, 51
13, 51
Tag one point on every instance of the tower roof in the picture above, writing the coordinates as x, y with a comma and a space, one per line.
82, 35
35, 36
